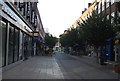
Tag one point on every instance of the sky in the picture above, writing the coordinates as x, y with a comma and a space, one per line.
59, 15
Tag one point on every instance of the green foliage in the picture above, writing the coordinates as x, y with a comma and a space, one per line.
71, 38
94, 31
117, 19
50, 41
97, 29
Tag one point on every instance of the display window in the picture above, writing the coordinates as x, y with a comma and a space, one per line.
4, 28
13, 54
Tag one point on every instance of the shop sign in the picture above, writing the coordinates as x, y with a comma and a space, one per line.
9, 12
38, 38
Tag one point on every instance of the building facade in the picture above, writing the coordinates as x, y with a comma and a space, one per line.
111, 9
18, 24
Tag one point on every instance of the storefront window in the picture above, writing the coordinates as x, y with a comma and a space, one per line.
27, 46
30, 46
11, 45
16, 52
13, 53
3, 25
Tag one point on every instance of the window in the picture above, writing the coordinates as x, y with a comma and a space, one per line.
103, 8
103, 5
103, 1
3, 25
96, 7
99, 7
11, 45
107, 16
112, 1
13, 53
16, 45
113, 15
27, 46
107, 3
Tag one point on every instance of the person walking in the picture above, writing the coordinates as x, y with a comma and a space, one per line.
46, 50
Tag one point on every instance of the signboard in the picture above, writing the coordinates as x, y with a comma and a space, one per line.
38, 38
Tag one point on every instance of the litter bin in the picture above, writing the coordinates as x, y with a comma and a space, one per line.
103, 59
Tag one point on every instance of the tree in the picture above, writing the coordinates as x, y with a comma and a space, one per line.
72, 38
69, 38
50, 41
97, 29
117, 18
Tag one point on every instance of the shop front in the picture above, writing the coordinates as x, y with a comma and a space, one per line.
15, 34
117, 50
3, 42
27, 44
110, 50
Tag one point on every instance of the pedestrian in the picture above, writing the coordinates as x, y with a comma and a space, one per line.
46, 50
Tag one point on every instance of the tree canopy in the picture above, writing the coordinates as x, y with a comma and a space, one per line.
71, 38
50, 41
97, 29
94, 31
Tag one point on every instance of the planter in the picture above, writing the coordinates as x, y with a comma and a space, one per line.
117, 68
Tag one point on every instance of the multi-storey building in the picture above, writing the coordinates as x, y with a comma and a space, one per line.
101, 7
110, 8
19, 22
85, 14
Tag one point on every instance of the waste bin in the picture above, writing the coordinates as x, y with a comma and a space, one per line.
103, 59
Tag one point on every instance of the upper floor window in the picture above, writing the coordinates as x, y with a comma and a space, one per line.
98, 11
103, 5
96, 7
112, 1
113, 14
13, 1
107, 3
99, 5
103, 2
107, 16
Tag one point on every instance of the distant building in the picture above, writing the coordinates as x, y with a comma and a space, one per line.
57, 46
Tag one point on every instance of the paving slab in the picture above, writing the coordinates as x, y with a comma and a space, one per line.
38, 67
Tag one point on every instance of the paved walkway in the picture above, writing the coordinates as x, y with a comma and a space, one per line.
38, 67
84, 67
109, 68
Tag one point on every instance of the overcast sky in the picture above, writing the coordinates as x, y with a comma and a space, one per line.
58, 15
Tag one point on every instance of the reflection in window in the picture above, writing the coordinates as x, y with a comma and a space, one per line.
107, 16
107, 3
3, 25
13, 53
113, 15
112, 1
103, 5
99, 7
11, 45
16, 52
